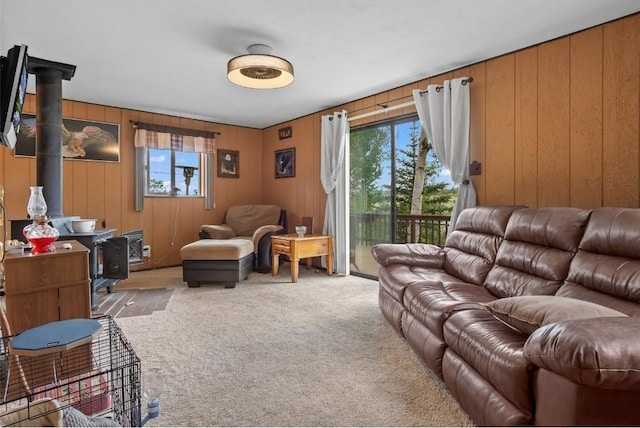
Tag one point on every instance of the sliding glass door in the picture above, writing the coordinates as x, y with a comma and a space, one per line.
384, 158
371, 194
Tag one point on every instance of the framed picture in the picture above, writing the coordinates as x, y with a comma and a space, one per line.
285, 163
228, 163
81, 139
284, 133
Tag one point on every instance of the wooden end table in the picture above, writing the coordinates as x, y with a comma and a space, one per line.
297, 248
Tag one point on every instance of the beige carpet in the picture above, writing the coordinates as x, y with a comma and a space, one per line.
273, 353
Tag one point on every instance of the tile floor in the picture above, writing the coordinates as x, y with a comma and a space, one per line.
132, 302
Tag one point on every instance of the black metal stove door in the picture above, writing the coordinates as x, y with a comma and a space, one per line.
115, 258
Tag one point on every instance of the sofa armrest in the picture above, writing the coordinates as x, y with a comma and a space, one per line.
596, 352
263, 251
218, 231
262, 231
426, 255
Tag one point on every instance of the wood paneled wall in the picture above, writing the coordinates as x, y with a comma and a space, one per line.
105, 190
557, 124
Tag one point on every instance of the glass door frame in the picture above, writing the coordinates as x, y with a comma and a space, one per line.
392, 123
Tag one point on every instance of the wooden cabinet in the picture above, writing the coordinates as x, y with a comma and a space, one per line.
41, 288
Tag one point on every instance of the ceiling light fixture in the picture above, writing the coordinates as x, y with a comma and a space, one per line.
259, 69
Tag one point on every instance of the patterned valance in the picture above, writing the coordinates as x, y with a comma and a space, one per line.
171, 138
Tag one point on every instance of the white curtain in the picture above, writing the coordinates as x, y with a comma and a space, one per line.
444, 114
333, 174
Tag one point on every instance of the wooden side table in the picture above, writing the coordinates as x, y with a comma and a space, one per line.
298, 248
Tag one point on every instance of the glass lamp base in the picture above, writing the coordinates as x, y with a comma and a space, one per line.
42, 245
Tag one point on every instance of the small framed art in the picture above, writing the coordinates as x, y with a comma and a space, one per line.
285, 163
284, 133
228, 163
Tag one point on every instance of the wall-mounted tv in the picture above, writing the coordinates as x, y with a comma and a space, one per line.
13, 88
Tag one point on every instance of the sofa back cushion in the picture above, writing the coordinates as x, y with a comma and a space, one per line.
245, 219
606, 269
471, 248
538, 247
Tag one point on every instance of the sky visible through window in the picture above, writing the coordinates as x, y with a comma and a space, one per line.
161, 170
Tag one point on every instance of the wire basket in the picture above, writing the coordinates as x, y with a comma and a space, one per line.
96, 382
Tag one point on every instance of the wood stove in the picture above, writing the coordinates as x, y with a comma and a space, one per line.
110, 256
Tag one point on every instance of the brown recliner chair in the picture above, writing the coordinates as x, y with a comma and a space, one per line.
254, 222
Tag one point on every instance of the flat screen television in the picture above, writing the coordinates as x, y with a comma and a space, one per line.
13, 88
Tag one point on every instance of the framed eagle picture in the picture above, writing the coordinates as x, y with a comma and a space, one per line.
81, 139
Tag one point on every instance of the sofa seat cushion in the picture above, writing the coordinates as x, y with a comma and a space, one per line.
214, 249
528, 313
395, 278
431, 303
494, 350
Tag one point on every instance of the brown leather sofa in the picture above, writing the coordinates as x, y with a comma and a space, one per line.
529, 316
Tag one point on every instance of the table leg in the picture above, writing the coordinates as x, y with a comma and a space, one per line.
330, 264
308, 262
275, 260
294, 269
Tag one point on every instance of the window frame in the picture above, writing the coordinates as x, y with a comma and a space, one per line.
174, 174
141, 179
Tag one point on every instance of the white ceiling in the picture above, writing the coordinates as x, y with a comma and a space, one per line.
170, 56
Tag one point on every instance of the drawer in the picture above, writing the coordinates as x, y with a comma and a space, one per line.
278, 242
281, 249
56, 269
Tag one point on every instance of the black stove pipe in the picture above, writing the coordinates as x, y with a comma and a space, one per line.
49, 138
49, 76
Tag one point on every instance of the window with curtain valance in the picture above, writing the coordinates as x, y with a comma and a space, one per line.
172, 162
172, 138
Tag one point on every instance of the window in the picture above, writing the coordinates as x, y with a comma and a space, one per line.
173, 173
172, 162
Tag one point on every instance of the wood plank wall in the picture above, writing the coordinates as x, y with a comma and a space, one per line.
105, 191
554, 124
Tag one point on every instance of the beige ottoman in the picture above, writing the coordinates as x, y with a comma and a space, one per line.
218, 261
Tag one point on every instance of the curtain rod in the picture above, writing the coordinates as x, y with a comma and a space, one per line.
464, 82
174, 130
384, 104
386, 109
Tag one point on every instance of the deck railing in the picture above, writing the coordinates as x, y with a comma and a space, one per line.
371, 229
428, 229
